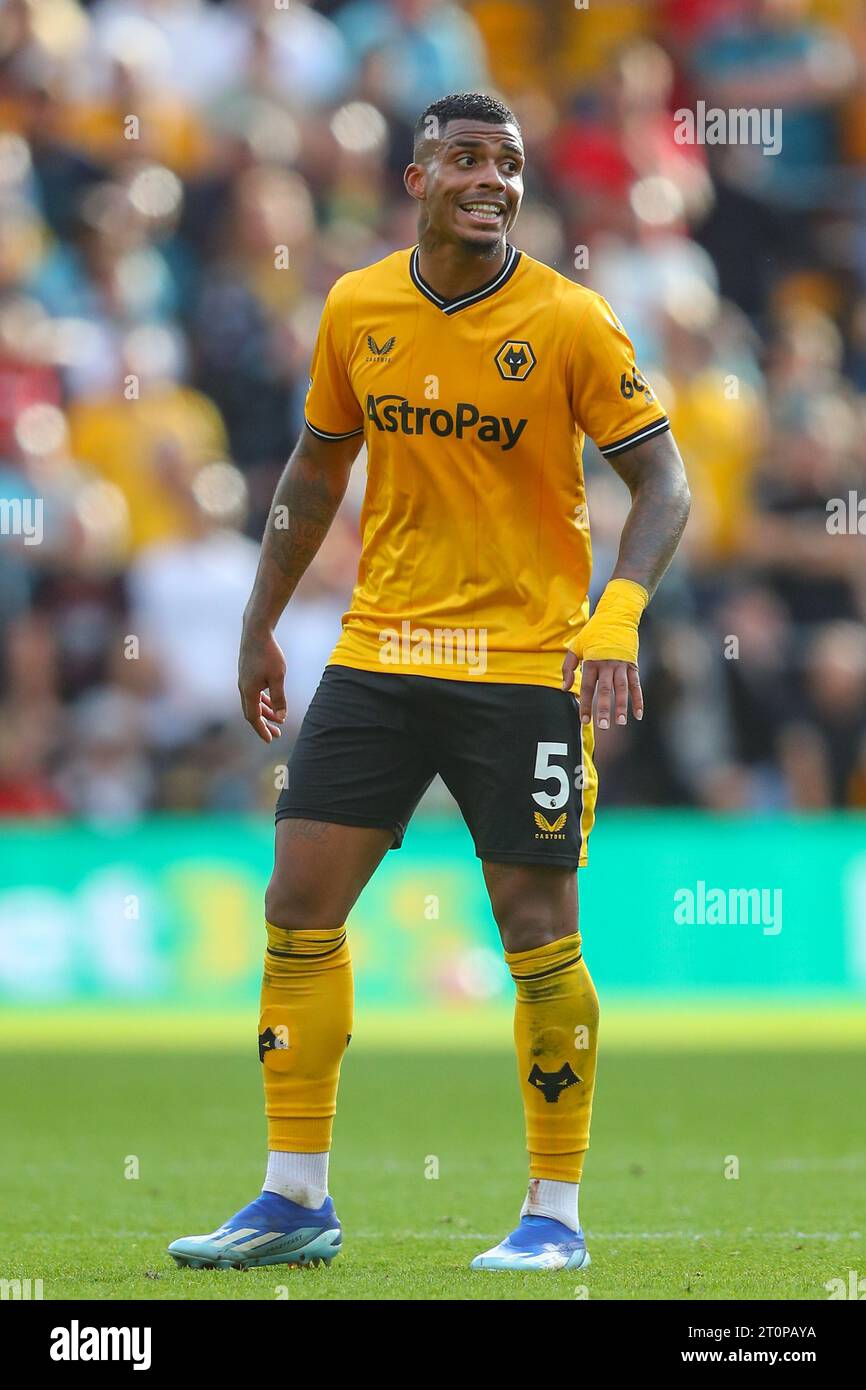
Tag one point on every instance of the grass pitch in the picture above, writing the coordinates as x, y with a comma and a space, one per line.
662, 1219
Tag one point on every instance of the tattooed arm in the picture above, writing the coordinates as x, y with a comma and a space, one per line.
660, 501
305, 503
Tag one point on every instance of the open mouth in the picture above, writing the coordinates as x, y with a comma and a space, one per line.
482, 212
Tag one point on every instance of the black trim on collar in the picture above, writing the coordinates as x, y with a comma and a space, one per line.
463, 301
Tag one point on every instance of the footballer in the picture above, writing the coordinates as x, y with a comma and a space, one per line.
472, 373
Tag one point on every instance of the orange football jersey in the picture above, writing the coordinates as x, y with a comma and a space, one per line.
476, 555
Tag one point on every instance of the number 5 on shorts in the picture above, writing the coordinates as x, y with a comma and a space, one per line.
545, 771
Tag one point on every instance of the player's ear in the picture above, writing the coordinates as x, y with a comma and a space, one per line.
415, 181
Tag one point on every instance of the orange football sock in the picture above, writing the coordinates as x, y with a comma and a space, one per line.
304, 1030
556, 1036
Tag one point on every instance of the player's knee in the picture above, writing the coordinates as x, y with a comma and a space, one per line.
527, 917
296, 906
526, 924
529, 931
532, 905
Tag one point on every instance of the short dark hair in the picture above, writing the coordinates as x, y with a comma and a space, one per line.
462, 106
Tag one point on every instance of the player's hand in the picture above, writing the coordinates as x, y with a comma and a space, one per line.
616, 682
261, 676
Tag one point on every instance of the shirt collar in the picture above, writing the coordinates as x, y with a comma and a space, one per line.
463, 301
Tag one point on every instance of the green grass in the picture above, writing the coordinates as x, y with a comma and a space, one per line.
662, 1220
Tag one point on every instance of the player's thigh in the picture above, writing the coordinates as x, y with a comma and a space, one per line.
355, 775
320, 870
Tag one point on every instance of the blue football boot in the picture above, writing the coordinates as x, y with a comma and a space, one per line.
538, 1243
270, 1231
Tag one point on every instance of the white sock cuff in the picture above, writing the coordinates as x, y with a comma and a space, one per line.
302, 1178
558, 1200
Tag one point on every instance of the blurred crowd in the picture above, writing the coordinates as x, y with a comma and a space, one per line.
180, 184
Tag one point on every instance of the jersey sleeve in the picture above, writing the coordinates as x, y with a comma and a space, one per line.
611, 401
331, 409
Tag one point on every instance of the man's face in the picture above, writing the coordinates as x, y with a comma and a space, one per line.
471, 183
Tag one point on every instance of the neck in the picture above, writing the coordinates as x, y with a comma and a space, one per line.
451, 269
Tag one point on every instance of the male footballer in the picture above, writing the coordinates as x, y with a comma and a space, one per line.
473, 373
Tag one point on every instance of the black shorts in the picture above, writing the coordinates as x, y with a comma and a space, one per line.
515, 758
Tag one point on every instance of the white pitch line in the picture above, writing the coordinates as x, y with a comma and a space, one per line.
853, 1163
730, 1236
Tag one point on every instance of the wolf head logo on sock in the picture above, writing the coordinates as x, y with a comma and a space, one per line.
551, 1083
